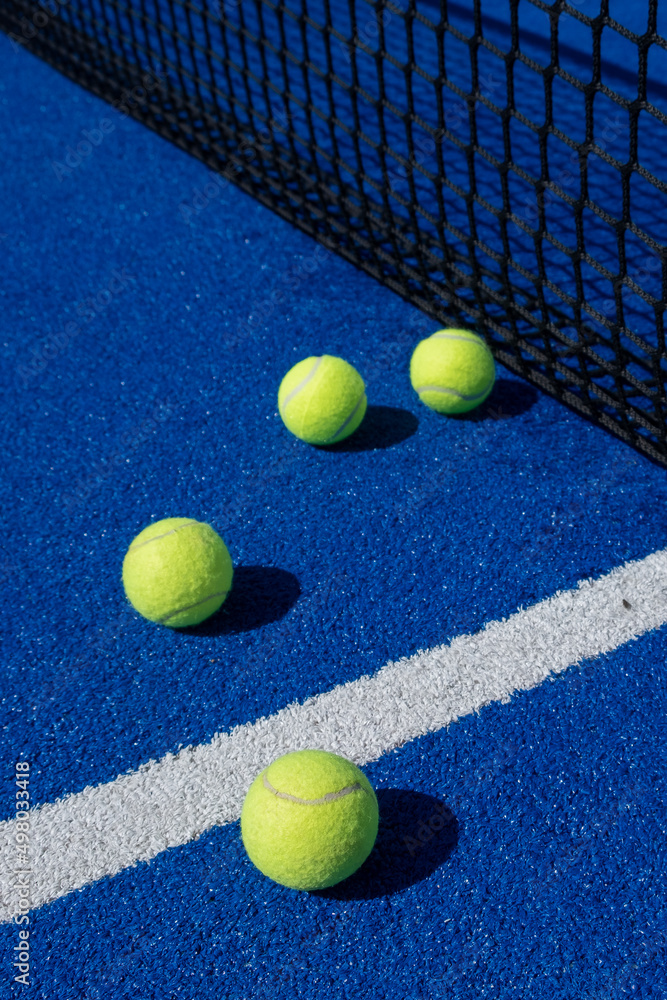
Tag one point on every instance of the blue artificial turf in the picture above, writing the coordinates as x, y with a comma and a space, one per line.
520, 854
545, 879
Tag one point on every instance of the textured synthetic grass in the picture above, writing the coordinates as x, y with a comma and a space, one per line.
544, 878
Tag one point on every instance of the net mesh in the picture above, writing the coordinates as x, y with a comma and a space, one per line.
496, 162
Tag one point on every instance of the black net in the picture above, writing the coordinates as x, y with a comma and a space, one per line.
498, 163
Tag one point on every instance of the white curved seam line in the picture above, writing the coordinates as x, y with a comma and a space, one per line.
453, 392
346, 422
303, 383
329, 797
189, 607
474, 339
172, 531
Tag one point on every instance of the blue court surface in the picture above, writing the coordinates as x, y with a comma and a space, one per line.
148, 314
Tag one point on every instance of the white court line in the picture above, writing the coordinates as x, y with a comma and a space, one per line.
100, 831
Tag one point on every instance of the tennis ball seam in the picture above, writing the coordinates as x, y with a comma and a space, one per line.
329, 797
189, 607
454, 392
297, 389
155, 538
454, 376
296, 414
473, 338
316, 832
347, 421
157, 582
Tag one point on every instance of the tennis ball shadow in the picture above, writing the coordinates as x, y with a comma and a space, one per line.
416, 835
259, 595
508, 399
382, 427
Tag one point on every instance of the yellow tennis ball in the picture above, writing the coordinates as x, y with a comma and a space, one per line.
177, 572
309, 820
453, 371
322, 400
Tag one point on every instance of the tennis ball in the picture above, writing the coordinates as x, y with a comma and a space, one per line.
177, 572
453, 371
322, 400
309, 820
